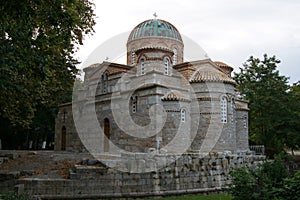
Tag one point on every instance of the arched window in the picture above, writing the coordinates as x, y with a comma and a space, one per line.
223, 105
175, 56
142, 66
133, 103
232, 110
132, 57
245, 122
104, 79
167, 63
183, 115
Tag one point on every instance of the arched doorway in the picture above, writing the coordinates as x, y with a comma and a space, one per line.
107, 135
63, 138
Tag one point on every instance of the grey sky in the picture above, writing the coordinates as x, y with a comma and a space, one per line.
228, 30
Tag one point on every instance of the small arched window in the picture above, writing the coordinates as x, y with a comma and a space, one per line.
245, 122
142, 66
104, 79
167, 63
132, 57
183, 115
174, 56
223, 105
133, 104
232, 110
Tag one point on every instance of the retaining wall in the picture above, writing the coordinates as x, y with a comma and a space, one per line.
190, 173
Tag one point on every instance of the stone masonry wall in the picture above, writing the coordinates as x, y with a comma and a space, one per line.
190, 173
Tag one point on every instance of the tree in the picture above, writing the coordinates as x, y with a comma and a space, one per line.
293, 130
267, 91
38, 39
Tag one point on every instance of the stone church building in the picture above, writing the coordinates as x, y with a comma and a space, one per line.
156, 102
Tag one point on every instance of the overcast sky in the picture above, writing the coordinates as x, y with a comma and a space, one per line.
228, 30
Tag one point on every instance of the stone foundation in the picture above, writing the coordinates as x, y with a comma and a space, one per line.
190, 173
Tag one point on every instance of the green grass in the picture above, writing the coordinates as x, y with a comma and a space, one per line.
197, 197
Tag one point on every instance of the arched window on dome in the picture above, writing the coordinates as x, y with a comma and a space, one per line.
174, 56
183, 115
142, 66
104, 79
132, 57
223, 104
167, 63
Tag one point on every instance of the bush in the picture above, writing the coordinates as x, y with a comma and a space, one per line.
259, 183
291, 188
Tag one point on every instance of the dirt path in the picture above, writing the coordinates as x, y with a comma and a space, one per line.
41, 164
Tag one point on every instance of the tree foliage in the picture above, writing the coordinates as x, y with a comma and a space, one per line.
293, 125
269, 181
38, 39
267, 92
291, 188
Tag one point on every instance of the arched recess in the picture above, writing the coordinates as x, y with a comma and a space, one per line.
106, 134
63, 138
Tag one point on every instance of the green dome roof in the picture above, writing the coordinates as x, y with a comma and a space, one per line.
155, 28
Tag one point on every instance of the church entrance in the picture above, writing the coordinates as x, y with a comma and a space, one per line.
63, 138
107, 135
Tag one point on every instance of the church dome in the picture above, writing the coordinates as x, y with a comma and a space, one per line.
155, 28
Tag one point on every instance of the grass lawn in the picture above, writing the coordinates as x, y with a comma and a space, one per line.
197, 197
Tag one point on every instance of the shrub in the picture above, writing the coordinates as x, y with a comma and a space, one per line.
291, 188
259, 183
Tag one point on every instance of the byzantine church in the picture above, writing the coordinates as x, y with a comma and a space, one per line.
157, 102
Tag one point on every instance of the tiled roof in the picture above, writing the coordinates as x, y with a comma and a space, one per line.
221, 64
211, 74
239, 106
226, 68
174, 96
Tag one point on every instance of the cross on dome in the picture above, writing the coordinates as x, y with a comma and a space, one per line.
155, 15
